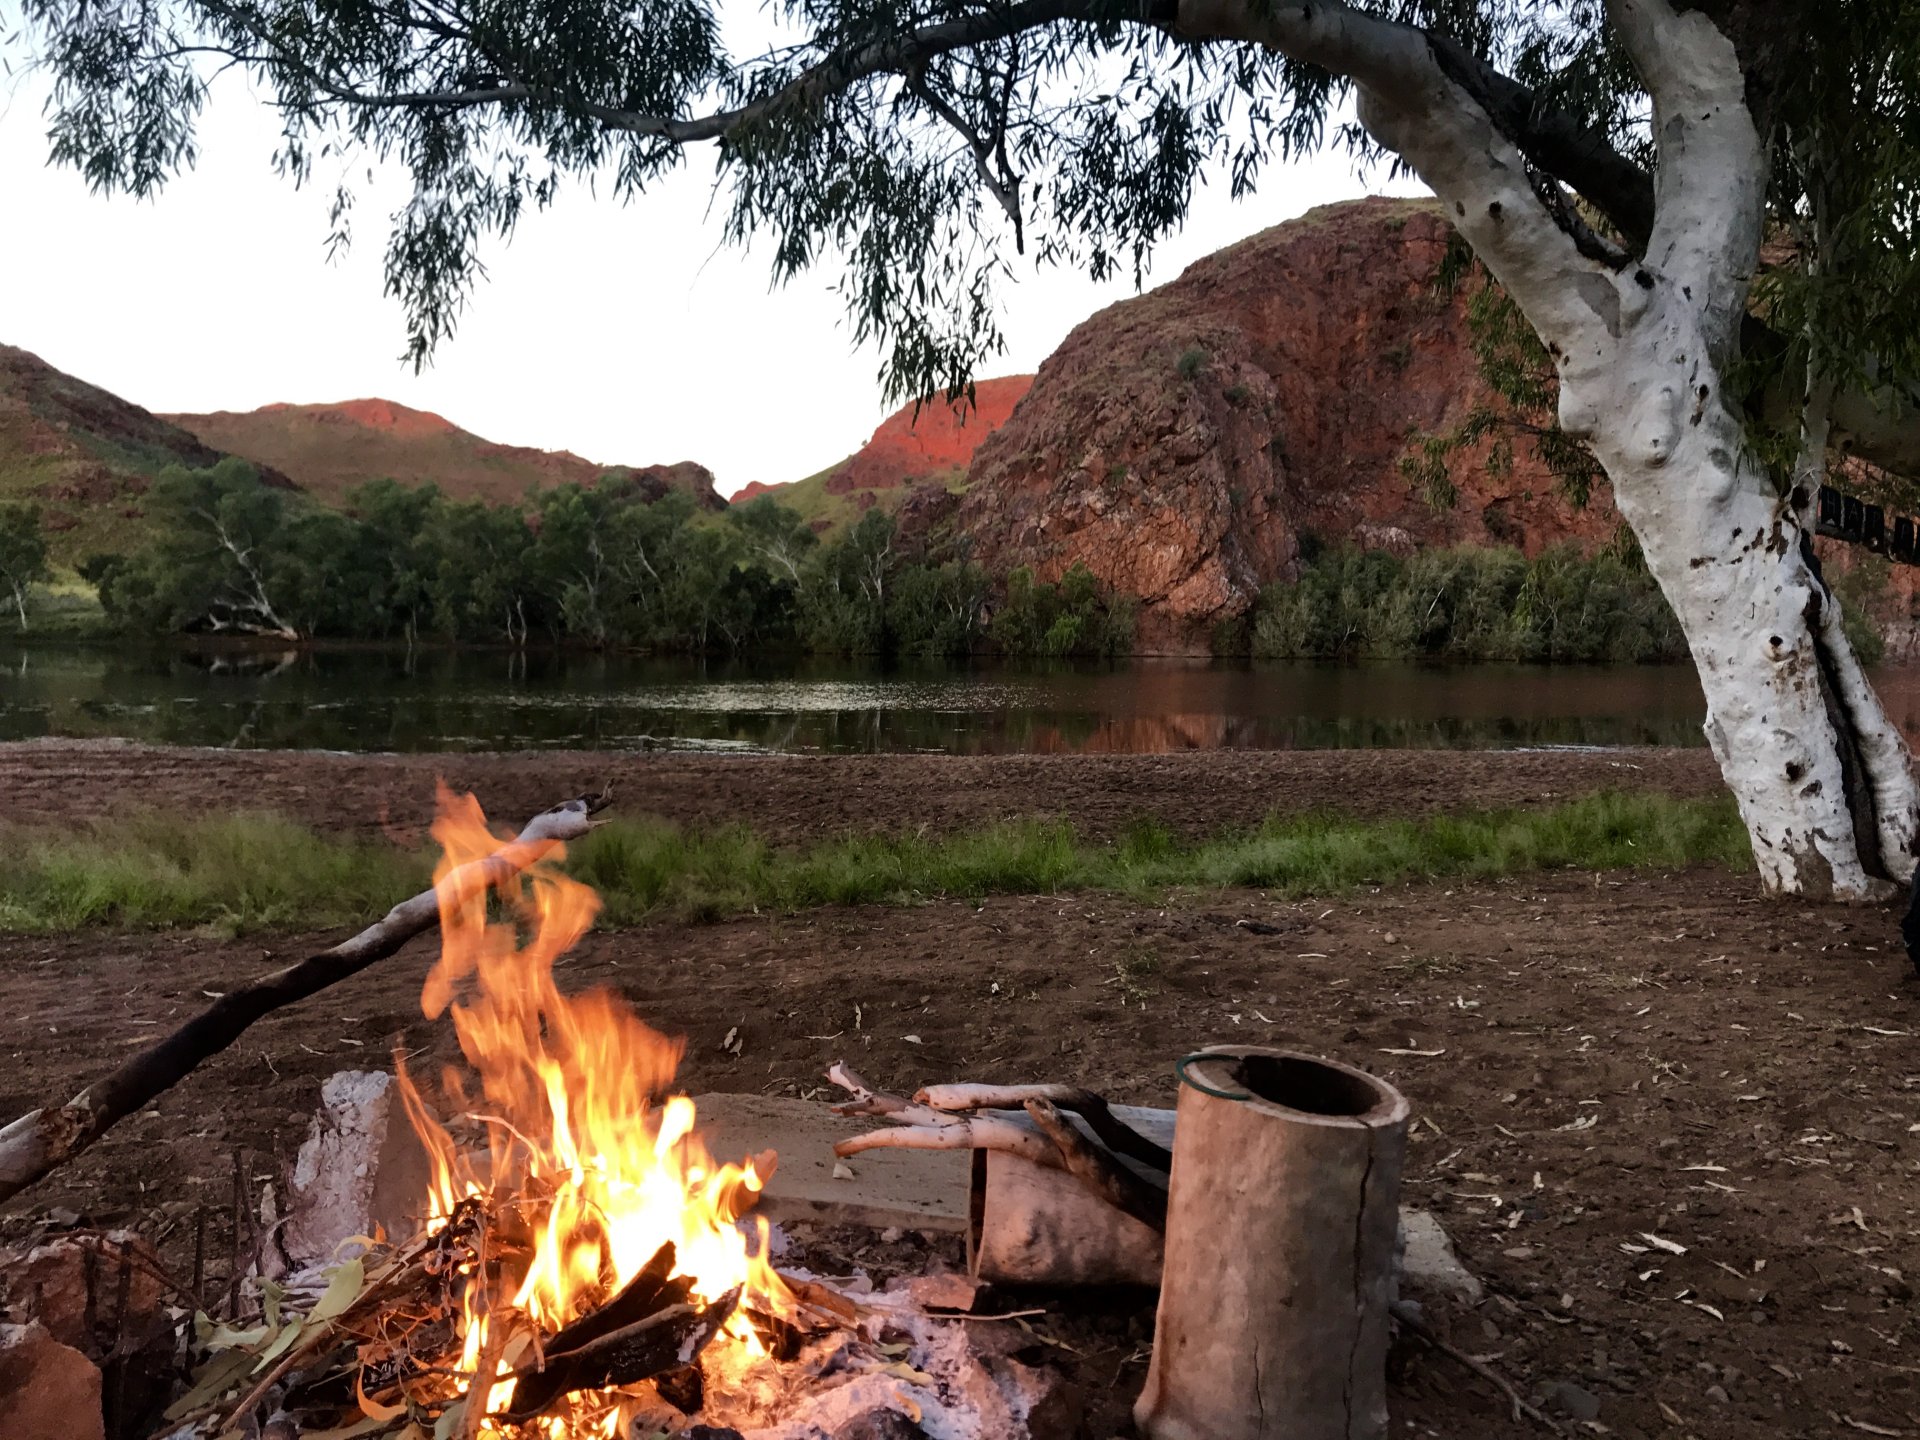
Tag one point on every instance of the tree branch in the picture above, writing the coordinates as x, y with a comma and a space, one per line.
44, 1139
1710, 183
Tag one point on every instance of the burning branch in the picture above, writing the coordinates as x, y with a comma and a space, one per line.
43, 1139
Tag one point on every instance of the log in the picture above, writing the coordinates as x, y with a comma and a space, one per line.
661, 1342
46, 1138
652, 1289
973, 1132
1281, 1226
1031, 1224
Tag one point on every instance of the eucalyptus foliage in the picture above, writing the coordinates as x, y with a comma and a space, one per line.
916, 148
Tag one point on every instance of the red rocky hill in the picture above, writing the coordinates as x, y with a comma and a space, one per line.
83, 455
328, 449
927, 447
1183, 443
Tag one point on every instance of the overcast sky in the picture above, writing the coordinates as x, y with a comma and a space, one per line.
622, 333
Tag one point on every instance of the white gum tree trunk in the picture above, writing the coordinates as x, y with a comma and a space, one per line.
1821, 776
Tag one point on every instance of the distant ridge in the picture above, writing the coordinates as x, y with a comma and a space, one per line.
84, 455
329, 449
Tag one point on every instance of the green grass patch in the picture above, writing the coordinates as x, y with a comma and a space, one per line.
253, 871
233, 872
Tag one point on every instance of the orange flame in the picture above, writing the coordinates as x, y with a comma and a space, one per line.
583, 1138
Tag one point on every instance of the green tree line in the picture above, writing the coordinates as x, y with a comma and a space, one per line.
601, 565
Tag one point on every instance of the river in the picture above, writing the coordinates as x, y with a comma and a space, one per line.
376, 700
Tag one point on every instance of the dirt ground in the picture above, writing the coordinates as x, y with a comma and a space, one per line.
798, 797
1620, 1056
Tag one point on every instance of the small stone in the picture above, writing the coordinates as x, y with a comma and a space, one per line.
1428, 1262
891, 1235
60, 1217
1572, 1401
1717, 1394
48, 1391
1390, 938
1758, 1317
1519, 1252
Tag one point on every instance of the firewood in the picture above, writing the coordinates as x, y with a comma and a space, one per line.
972, 1132
1113, 1132
869, 1101
653, 1289
1098, 1170
43, 1139
661, 1342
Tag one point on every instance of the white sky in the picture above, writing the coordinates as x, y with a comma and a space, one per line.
622, 333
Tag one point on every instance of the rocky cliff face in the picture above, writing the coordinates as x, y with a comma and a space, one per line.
328, 449
1185, 444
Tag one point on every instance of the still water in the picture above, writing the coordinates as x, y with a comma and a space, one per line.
435, 700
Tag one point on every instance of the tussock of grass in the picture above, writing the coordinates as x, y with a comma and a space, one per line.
248, 872
236, 872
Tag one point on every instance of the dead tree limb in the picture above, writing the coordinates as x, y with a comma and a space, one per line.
971, 1132
1098, 1170
1113, 1132
865, 1100
43, 1139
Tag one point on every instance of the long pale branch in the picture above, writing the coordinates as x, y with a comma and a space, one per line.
46, 1138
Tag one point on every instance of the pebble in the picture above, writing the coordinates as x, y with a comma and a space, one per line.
1717, 1394
1572, 1401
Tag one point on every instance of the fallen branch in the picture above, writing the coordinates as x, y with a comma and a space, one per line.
973, 1132
868, 1101
1098, 1170
1479, 1367
1113, 1132
43, 1139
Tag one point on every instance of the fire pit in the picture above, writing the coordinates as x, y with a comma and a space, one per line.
581, 1266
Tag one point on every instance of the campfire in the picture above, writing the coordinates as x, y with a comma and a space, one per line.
596, 1241
579, 1267
574, 1264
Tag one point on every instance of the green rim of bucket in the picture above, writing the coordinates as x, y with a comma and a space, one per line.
1180, 1070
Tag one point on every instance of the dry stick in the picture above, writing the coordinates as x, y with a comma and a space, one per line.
43, 1139
868, 1101
974, 1132
1113, 1132
1098, 1170
1479, 1367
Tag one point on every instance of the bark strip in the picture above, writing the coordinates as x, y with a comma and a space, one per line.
46, 1138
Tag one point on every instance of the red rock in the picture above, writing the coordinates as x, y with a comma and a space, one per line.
1181, 443
48, 1391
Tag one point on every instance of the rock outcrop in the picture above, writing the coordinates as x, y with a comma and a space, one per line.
328, 449
1185, 443
916, 456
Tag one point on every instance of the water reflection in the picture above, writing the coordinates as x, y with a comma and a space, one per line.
436, 700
